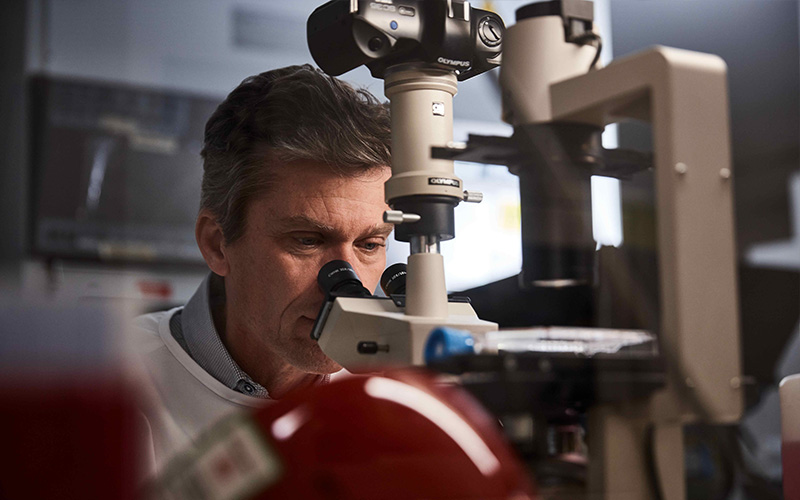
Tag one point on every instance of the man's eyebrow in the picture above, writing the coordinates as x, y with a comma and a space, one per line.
380, 229
301, 221
304, 222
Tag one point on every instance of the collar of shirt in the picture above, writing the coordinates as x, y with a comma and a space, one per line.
202, 342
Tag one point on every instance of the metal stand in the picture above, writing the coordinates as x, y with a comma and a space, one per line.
684, 96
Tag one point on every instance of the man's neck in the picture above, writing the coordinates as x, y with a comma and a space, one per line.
252, 356
257, 360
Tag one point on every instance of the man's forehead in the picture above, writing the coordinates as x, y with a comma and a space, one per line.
291, 169
308, 195
310, 179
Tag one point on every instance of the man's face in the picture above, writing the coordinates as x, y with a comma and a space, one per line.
308, 217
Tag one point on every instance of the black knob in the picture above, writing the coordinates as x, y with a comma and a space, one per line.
370, 347
490, 31
375, 44
393, 279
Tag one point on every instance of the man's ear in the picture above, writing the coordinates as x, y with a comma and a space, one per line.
211, 241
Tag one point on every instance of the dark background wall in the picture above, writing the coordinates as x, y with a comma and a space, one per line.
12, 137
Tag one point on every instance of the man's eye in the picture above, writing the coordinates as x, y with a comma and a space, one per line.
372, 246
307, 241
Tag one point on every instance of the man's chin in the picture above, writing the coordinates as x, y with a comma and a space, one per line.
327, 368
313, 360
320, 366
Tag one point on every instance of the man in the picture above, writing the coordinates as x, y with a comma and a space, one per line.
294, 166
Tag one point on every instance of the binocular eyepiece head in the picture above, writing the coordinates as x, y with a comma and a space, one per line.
338, 278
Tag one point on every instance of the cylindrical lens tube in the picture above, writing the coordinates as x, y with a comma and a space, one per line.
393, 279
339, 277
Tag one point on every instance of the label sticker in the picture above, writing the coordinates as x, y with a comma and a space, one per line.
234, 461
444, 181
406, 11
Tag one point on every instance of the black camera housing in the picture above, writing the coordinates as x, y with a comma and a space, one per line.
450, 34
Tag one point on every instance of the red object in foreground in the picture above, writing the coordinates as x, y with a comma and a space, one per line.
393, 436
790, 453
68, 438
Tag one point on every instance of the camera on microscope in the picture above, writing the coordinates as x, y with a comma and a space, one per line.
344, 34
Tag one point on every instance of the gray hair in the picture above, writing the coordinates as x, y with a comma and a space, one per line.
288, 114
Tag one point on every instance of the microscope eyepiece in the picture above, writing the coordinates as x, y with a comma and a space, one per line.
393, 279
338, 277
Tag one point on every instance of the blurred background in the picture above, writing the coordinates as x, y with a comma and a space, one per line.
104, 104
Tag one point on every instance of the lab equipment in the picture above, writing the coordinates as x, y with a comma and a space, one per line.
635, 401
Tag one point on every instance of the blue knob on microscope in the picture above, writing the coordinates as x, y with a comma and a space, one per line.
444, 342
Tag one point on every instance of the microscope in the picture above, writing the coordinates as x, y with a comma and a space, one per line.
421, 49
632, 401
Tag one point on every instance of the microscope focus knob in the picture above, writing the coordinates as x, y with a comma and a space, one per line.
444, 342
473, 196
398, 217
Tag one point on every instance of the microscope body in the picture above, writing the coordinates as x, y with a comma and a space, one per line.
683, 95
